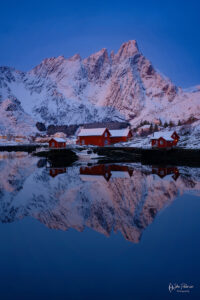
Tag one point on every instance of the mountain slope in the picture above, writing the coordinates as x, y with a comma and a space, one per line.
102, 87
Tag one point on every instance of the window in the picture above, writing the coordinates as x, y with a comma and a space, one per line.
106, 134
52, 144
161, 142
106, 142
83, 142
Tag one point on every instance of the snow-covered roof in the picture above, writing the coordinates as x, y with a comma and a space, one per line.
91, 132
59, 140
167, 135
119, 132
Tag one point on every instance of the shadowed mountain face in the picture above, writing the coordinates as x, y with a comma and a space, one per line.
102, 87
105, 198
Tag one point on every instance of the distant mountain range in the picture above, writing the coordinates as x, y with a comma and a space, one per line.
103, 87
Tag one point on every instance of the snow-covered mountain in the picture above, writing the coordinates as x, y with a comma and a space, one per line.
121, 86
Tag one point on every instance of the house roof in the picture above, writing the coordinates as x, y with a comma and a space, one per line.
119, 132
59, 140
92, 132
167, 135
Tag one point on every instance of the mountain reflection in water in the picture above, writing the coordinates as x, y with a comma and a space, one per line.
106, 198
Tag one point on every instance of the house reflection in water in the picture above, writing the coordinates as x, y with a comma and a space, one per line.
105, 171
164, 171
53, 172
121, 171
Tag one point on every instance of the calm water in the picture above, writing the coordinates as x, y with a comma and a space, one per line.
97, 232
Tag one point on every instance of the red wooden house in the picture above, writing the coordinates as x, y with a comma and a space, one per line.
94, 136
166, 139
57, 143
120, 135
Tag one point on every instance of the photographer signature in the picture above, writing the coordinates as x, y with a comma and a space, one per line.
180, 288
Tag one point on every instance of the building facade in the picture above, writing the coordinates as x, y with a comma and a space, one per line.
164, 139
94, 136
120, 135
57, 143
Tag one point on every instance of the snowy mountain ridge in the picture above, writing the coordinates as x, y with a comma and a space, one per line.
102, 87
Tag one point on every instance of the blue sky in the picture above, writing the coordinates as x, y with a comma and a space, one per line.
167, 32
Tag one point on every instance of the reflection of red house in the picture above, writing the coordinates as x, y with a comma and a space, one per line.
57, 143
120, 171
53, 172
164, 171
99, 170
120, 135
94, 136
116, 171
164, 139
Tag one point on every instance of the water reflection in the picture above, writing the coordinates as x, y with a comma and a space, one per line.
121, 198
107, 171
165, 171
53, 172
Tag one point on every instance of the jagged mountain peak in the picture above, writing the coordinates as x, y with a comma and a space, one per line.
48, 66
127, 50
75, 57
121, 86
101, 54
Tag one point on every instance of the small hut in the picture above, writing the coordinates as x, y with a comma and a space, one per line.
166, 139
57, 143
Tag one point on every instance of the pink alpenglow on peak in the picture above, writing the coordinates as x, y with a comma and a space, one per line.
102, 54
118, 87
75, 57
127, 50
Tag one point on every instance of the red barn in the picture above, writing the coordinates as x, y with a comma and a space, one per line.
57, 143
166, 139
94, 136
120, 135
